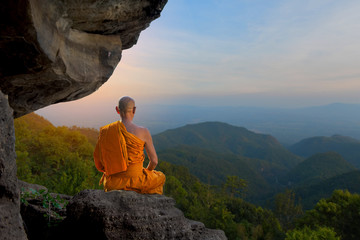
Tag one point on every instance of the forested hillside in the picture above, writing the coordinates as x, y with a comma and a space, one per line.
319, 167
214, 150
311, 194
213, 168
348, 147
57, 157
90, 133
209, 173
224, 138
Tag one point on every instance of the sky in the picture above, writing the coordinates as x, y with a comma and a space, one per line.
278, 53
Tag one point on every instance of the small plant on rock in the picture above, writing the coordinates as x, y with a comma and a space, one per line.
50, 203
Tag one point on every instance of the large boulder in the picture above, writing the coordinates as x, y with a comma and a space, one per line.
61, 50
95, 214
11, 224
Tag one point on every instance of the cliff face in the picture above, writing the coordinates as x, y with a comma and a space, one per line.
54, 51
11, 226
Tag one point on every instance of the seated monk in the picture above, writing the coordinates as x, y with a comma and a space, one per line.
119, 154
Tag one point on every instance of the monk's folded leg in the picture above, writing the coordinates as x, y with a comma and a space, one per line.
154, 182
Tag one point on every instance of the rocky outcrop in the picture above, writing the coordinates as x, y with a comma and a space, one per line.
129, 215
95, 214
11, 224
61, 50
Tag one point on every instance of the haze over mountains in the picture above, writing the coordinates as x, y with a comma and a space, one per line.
288, 126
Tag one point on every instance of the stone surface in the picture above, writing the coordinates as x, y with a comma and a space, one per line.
11, 224
96, 214
27, 187
61, 50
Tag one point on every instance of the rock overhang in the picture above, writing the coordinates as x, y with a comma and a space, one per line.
63, 50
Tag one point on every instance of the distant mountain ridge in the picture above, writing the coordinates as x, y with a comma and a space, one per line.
214, 150
348, 147
287, 125
225, 138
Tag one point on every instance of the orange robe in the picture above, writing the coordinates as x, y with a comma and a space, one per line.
120, 156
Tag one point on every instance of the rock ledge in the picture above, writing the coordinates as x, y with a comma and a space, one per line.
96, 214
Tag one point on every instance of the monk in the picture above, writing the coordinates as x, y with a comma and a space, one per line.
119, 154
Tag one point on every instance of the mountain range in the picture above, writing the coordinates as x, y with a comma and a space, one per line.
225, 138
313, 167
214, 150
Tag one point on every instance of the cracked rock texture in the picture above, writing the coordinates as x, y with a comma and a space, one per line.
95, 214
11, 224
61, 50
129, 215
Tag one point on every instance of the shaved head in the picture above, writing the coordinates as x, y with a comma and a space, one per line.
126, 104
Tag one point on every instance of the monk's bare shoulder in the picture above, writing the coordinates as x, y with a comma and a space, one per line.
143, 133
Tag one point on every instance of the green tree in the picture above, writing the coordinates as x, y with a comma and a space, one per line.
254, 222
174, 188
286, 209
234, 186
23, 163
306, 233
340, 212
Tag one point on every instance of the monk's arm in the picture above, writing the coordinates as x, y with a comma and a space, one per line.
97, 158
150, 150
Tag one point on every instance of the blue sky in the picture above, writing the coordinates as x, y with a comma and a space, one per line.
304, 52
278, 53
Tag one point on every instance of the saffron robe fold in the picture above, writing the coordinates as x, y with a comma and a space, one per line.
120, 156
